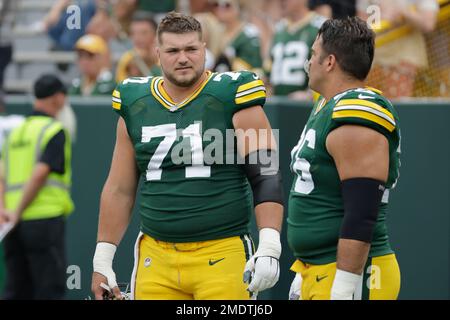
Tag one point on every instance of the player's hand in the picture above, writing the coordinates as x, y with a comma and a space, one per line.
104, 291
261, 273
104, 284
344, 285
262, 270
295, 292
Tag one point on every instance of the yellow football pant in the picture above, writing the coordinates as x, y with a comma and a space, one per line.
207, 270
381, 279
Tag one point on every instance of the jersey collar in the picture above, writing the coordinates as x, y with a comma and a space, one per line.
163, 97
320, 104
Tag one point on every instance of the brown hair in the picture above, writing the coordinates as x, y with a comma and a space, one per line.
179, 23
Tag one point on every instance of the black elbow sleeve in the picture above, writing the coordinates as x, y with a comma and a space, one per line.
262, 171
362, 198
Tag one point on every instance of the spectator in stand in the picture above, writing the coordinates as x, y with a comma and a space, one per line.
336, 9
55, 23
264, 14
157, 7
397, 63
241, 40
95, 78
291, 49
112, 19
141, 60
7, 12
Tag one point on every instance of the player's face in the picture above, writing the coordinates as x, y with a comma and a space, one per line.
182, 57
316, 66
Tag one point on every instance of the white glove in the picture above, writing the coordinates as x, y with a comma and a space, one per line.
295, 292
344, 285
263, 268
103, 259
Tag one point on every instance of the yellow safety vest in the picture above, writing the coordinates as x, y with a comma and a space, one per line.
21, 153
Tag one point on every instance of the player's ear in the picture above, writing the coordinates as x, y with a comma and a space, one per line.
330, 62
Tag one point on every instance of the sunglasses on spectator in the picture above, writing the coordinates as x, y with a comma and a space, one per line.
226, 5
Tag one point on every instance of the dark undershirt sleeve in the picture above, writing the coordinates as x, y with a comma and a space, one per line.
53, 154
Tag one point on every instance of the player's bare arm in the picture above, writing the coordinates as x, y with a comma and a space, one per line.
359, 152
116, 205
267, 193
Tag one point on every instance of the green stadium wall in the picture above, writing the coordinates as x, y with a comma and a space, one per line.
418, 218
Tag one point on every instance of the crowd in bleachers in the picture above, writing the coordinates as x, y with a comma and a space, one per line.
116, 39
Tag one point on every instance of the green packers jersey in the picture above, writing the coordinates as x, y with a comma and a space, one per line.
244, 51
190, 190
291, 48
103, 86
316, 208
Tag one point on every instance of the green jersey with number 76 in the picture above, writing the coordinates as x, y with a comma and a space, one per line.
190, 191
316, 208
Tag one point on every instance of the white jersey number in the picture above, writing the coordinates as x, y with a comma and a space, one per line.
137, 80
169, 132
288, 62
304, 183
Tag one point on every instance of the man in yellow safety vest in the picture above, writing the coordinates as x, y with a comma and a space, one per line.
35, 198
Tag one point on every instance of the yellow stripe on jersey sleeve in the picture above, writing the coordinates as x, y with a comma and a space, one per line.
116, 105
363, 115
250, 85
365, 103
250, 97
116, 94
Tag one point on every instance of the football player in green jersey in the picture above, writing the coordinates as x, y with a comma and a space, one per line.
345, 163
194, 241
290, 50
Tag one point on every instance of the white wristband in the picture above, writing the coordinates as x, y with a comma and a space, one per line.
344, 285
269, 243
103, 260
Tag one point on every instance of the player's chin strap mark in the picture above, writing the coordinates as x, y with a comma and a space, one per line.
262, 171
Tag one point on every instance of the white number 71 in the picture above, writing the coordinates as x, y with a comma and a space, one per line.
169, 132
